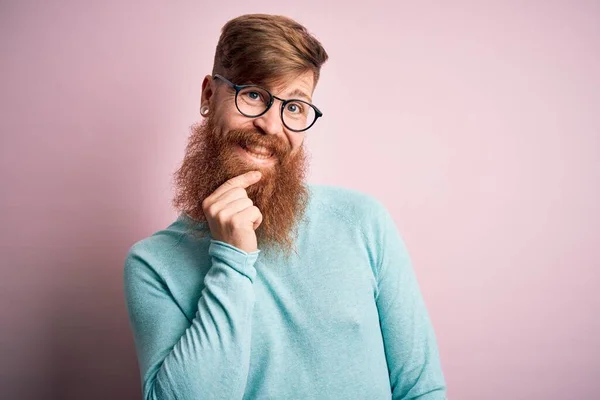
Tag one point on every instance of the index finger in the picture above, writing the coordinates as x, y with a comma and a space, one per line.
243, 181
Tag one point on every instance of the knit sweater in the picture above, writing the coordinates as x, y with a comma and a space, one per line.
343, 318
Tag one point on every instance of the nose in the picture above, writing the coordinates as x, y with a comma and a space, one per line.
270, 122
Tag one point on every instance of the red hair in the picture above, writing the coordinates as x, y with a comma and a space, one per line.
263, 49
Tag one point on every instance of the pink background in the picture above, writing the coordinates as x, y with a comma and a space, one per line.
477, 125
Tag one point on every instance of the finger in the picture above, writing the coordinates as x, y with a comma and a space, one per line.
233, 208
226, 198
253, 214
242, 181
257, 222
231, 195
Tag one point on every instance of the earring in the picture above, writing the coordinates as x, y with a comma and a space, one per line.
204, 111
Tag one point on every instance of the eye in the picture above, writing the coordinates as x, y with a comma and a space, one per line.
254, 95
295, 108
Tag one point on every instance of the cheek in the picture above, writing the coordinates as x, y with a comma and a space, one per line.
227, 116
234, 120
227, 122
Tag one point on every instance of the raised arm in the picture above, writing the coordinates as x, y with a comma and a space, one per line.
207, 357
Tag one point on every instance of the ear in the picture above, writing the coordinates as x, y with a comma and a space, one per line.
207, 91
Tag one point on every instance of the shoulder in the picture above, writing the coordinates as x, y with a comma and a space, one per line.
359, 209
359, 212
151, 256
350, 204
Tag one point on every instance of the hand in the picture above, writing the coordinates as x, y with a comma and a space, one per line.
232, 217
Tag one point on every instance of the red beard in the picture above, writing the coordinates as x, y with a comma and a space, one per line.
281, 194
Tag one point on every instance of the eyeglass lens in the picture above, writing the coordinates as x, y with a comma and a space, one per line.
253, 101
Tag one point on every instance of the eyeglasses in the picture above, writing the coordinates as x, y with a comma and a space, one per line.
253, 101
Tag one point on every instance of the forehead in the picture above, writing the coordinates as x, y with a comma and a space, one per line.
297, 86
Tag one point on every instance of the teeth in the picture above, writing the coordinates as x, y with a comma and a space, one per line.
259, 156
259, 151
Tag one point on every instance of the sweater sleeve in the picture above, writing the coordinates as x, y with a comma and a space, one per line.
409, 339
207, 358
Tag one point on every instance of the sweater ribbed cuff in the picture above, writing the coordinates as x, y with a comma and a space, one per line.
237, 259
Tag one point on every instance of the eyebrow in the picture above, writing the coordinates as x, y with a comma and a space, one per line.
293, 94
299, 93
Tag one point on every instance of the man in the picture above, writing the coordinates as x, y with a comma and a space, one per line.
267, 287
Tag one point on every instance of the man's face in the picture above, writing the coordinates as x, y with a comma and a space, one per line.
227, 118
221, 148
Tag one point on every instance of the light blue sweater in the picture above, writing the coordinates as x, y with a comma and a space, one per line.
343, 319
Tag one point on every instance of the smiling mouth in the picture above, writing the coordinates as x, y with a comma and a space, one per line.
258, 152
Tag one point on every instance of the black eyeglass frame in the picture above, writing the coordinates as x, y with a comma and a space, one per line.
272, 98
